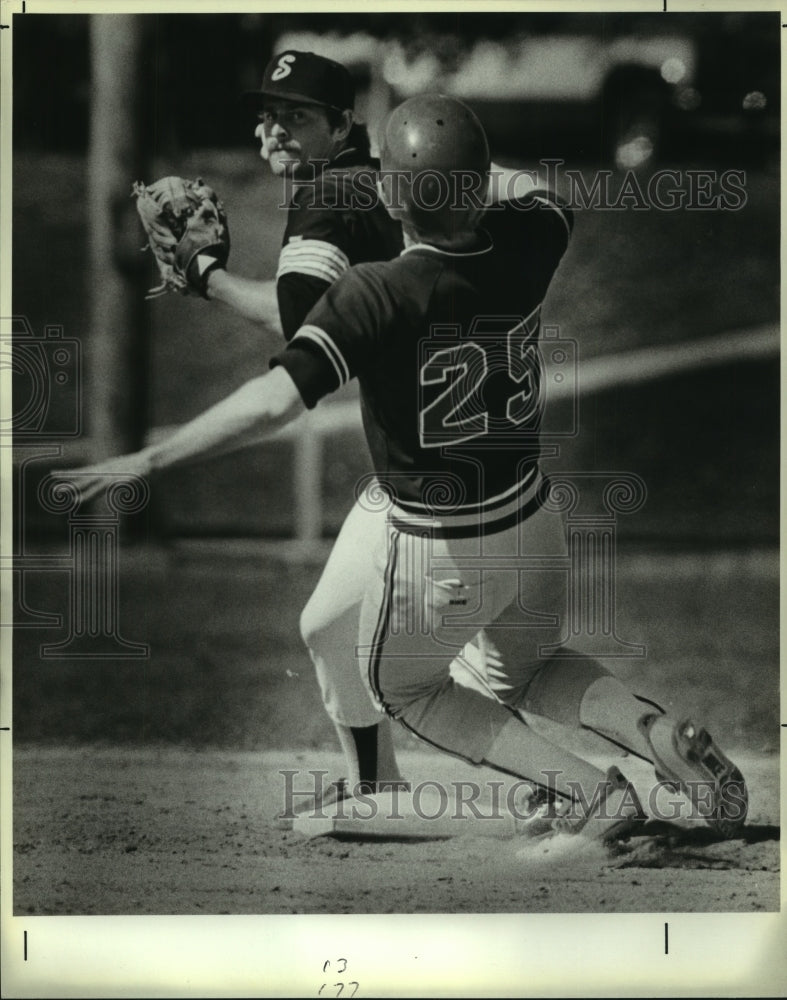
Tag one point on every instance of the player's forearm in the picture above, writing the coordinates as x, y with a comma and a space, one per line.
250, 414
255, 300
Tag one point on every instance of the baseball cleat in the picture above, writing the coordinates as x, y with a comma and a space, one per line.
536, 812
336, 791
686, 755
614, 813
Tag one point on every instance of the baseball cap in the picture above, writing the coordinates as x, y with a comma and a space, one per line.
306, 77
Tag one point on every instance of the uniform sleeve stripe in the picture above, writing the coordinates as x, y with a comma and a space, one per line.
313, 270
319, 247
340, 263
556, 208
334, 355
314, 257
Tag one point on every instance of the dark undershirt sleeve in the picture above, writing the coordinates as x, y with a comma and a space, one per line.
297, 294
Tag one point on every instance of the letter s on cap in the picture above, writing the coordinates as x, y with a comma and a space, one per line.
284, 68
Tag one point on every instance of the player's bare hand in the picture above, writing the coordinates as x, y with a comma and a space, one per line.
92, 481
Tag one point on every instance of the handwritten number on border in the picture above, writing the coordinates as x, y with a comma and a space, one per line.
339, 987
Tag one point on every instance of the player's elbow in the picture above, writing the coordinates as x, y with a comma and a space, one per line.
280, 398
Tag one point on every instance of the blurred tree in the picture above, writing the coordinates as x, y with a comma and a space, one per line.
116, 402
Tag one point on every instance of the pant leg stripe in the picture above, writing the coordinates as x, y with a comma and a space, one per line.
437, 746
521, 777
461, 756
383, 623
380, 635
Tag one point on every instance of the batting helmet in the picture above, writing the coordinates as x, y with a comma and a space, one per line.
435, 164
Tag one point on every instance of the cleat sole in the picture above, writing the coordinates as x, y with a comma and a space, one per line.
687, 755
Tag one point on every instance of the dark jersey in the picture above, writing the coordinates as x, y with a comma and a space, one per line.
445, 348
333, 222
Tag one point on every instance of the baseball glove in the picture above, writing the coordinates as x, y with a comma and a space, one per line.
187, 231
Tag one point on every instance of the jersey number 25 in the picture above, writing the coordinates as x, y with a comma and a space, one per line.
457, 414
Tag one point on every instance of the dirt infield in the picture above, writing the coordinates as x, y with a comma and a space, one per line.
172, 831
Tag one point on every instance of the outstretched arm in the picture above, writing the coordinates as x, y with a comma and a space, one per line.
251, 413
254, 300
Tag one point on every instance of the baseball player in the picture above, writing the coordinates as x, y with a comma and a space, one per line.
444, 342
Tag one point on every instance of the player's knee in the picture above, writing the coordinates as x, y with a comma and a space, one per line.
326, 624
